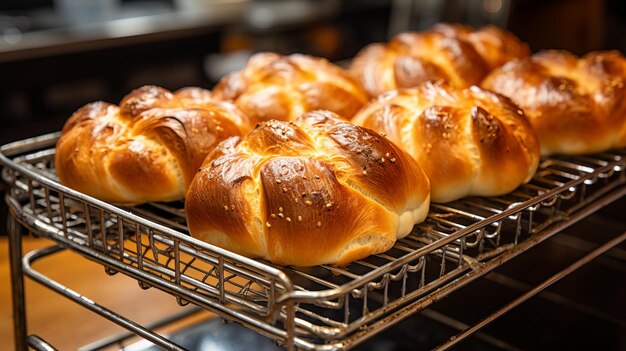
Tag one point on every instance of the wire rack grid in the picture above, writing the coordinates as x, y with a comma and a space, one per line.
314, 308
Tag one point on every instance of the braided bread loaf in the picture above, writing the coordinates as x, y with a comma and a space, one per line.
454, 53
468, 141
314, 191
272, 86
148, 148
576, 106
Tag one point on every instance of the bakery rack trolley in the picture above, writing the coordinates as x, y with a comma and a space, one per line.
315, 308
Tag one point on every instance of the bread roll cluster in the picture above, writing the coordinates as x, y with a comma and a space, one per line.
576, 105
468, 141
454, 53
146, 149
273, 86
313, 191
271, 167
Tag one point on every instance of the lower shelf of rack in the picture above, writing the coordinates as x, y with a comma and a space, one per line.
585, 308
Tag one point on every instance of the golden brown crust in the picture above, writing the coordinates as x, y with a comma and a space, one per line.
468, 141
317, 190
454, 53
273, 86
148, 148
576, 106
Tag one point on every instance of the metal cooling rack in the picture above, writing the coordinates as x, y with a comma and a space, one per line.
315, 308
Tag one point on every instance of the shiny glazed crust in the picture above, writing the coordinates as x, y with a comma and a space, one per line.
146, 149
314, 191
273, 86
468, 141
454, 53
576, 106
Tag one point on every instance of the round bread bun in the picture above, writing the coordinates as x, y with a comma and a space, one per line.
314, 191
576, 105
272, 86
468, 141
146, 149
452, 52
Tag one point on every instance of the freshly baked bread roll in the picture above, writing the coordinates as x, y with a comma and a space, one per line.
272, 86
148, 148
576, 106
468, 141
314, 191
454, 53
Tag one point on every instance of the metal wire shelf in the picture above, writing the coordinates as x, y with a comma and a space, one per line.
315, 308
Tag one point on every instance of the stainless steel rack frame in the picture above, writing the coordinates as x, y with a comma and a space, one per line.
314, 308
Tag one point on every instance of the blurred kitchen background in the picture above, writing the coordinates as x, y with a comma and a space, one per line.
57, 55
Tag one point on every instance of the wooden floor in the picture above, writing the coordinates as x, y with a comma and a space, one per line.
62, 322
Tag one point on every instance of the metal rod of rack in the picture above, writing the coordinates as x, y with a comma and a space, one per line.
122, 337
545, 284
39, 344
17, 284
460, 326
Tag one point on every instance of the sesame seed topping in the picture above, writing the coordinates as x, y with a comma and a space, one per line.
387, 154
393, 160
329, 205
308, 202
232, 207
273, 215
278, 181
281, 215
319, 223
358, 151
364, 172
382, 159
299, 218
284, 190
288, 219
520, 112
280, 209
225, 208
267, 224
297, 200
317, 177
